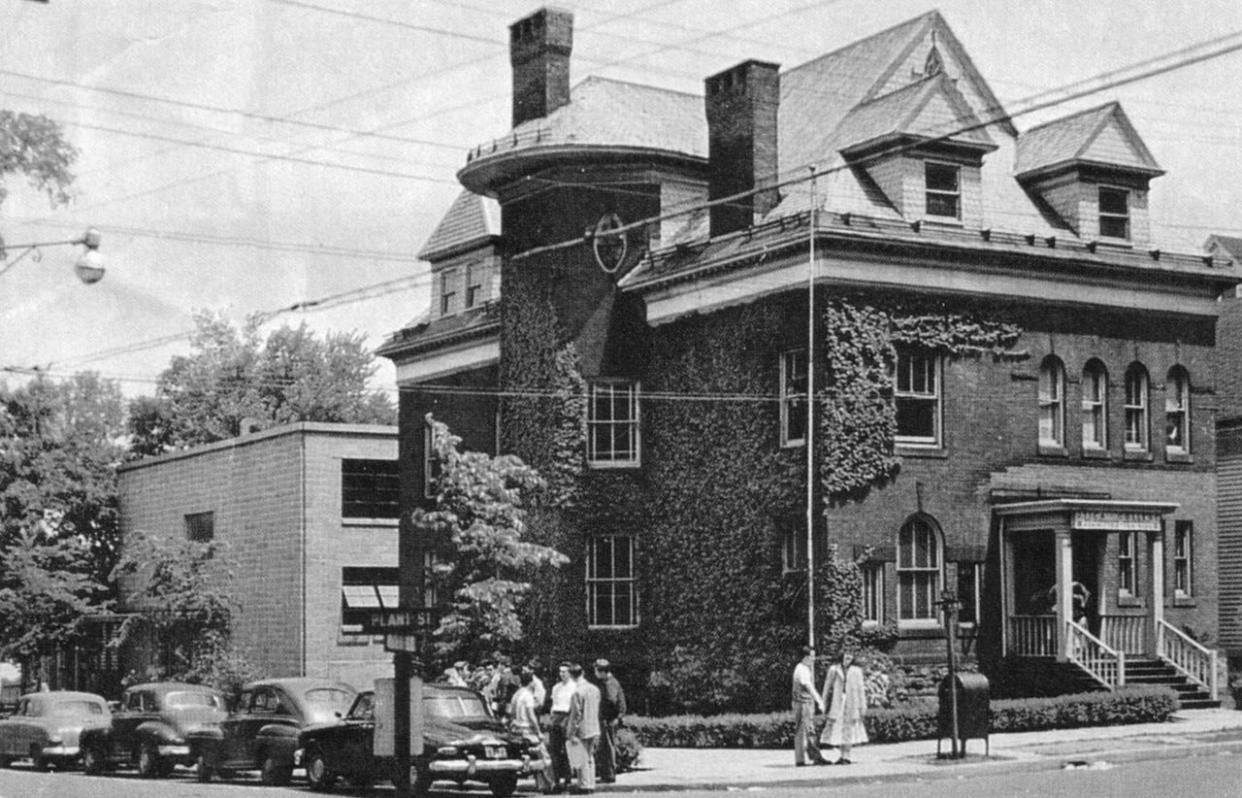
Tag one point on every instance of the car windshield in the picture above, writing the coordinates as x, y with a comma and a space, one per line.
194, 699
364, 707
75, 708
454, 705
325, 703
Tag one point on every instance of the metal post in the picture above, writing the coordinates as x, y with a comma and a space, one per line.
810, 425
948, 599
403, 669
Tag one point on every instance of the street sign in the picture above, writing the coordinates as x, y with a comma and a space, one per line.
402, 641
408, 620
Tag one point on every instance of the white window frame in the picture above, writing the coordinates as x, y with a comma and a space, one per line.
1183, 559
1138, 423
1052, 403
430, 462
793, 402
628, 429
1177, 410
595, 582
912, 360
1127, 564
1095, 406
1113, 216
926, 578
954, 196
872, 593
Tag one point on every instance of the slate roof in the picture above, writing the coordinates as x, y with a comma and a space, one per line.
1231, 245
1069, 138
469, 221
901, 112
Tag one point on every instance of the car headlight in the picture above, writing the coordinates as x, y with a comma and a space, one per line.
55, 739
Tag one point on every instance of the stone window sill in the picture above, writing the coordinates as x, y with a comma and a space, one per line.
1136, 456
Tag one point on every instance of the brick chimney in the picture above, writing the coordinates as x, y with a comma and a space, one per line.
742, 103
539, 47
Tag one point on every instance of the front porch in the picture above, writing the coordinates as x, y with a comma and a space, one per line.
1082, 582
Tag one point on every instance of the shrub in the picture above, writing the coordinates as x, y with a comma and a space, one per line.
916, 720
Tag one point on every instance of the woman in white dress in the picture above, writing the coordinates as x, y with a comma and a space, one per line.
846, 693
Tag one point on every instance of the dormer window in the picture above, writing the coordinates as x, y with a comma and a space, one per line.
1114, 213
448, 292
943, 188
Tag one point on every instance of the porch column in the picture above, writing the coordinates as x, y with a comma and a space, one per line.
1155, 548
1065, 592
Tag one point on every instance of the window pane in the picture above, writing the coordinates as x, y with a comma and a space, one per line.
916, 418
1114, 201
942, 177
942, 205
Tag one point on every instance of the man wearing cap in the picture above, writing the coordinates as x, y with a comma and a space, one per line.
611, 711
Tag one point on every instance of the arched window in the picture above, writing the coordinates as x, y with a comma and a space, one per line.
1051, 402
1136, 408
919, 559
1094, 406
1177, 411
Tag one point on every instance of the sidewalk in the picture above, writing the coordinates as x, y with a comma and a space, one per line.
1191, 731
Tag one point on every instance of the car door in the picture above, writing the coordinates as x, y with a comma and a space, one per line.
11, 732
234, 730
282, 720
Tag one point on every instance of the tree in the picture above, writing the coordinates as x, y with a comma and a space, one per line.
60, 443
181, 608
233, 377
35, 147
479, 522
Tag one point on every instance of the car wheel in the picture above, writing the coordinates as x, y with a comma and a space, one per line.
317, 773
504, 785
273, 773
202, 768
92, 761
37, 759
149, 765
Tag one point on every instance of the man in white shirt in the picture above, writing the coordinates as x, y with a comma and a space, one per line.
805, 701
562, 698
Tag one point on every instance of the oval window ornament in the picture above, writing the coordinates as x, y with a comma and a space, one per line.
610, 248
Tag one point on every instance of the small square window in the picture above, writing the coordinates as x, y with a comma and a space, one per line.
944, 193
370, 489
200, 527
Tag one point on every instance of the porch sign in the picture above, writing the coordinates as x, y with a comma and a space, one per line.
1116, 521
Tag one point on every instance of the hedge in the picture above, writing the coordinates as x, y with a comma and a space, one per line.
915, 721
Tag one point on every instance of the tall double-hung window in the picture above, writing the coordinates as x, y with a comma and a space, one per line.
1183, 559
613, 424
1136, 408
1177, 411
1114, 212
611, 581
1051, 403
1127, 564
1094, 406
793, 397
917, 397
919, 558
943, 190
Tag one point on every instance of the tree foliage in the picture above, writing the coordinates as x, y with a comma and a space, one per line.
60, 443
182, 607
479, 520
233, 376
34, 146
46, 588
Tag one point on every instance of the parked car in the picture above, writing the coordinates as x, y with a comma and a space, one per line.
46, 727
462, 741
261, 733
150, 728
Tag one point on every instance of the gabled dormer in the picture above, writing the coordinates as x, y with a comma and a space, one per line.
923, 146
1094, 170
465, 257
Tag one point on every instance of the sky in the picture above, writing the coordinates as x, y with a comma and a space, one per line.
250, 156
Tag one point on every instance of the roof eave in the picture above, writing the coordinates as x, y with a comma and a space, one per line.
486, 174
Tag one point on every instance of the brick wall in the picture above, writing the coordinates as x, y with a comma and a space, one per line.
288, 571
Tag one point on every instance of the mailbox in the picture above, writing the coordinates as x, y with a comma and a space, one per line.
974, 713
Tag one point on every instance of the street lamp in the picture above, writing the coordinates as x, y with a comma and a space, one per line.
89, 267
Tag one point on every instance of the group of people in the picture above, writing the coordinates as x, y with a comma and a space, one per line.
583, 717
843, 698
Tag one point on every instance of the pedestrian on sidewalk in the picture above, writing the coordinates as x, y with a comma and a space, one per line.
524, 719
562, 698
846, 692
611, 711
805, 703
582, 729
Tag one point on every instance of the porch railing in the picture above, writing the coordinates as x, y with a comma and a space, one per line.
1033, 635
1191, 659
1125, 632
1104, 664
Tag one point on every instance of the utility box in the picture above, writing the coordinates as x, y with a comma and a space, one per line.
974, 712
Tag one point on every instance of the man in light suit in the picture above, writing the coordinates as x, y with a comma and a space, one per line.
583, 726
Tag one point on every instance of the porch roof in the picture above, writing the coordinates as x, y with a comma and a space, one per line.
1093, 514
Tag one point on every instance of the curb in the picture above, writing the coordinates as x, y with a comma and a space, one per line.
938, 772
